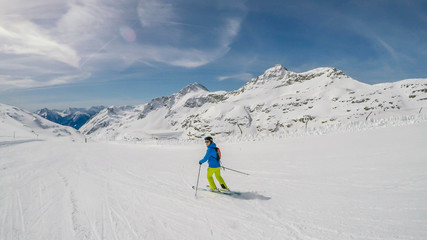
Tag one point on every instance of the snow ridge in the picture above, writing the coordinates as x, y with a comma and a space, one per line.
279, 102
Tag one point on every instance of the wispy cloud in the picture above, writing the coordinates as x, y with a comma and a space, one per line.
388, 48
8, 82
164, 22
109, 35
240, 77
26, 38
154, 13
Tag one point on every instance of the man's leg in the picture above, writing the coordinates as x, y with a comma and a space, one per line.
219, 178
210, 178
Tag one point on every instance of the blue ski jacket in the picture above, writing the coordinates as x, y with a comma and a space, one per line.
211, 157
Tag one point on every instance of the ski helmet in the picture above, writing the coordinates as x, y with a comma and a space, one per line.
210, 139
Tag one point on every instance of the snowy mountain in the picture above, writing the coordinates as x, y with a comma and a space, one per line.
276, 103
73, 117
16, 123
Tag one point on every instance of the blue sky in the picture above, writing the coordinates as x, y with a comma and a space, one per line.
81, 53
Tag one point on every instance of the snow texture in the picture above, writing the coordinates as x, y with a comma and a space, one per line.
360, 185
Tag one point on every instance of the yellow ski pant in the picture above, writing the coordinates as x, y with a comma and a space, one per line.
216, 171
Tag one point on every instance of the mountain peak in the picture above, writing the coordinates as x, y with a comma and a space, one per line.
274, 74
277, 67
276, 71
194, 87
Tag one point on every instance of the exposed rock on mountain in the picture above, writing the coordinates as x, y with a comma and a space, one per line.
276, 102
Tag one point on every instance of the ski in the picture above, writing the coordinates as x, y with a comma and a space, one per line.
229, 193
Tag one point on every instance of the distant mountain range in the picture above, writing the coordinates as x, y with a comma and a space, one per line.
274, 103
73, 117
20, 125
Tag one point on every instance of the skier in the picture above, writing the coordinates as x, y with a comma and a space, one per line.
214, 166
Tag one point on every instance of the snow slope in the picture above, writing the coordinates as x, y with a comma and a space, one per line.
363, 185
278, 102
19, 124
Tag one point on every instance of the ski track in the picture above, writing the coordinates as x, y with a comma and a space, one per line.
60, 190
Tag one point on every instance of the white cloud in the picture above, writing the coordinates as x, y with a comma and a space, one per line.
154, 13
26, 38
389, 49
240, 76
231, 29
12, 82
171, 33
32, 10
102, 36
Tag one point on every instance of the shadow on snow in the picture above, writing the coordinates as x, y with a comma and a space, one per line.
249, 196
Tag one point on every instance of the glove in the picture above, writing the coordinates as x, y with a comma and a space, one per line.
200, 162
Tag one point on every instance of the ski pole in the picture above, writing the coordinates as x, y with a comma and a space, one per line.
234, 170
197, 185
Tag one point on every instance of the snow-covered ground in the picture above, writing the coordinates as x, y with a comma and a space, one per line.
361, 185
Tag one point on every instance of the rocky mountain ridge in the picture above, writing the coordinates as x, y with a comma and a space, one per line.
276, 102
73, 117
